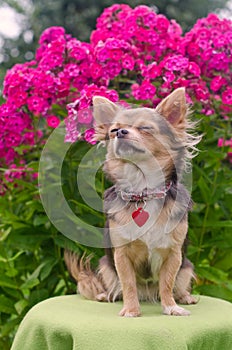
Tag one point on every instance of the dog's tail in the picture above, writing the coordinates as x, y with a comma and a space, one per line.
89, 283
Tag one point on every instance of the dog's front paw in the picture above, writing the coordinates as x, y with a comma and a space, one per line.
130, 312
175, 310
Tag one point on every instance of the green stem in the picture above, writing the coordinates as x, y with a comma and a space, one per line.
62, 270
203, 231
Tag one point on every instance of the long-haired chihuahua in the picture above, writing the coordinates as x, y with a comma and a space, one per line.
147, 207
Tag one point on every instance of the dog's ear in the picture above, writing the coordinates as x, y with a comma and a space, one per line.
104, 112
174, 108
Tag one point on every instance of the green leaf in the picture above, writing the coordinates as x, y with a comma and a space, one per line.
47, 268
205, 191
11, 272
7, 260
7, 282
216, 291
4, 234
30, 283
40, 220
212, 274
9, 326
38, 295
21, 305
7, 305
225, 263
13, 293
220, 224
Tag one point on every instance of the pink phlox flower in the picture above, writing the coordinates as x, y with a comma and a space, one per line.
162, 23
229, 155
149, 19
113, 43
51, 34
203, 43
71, 70
202, 93
62, 86
37, 105
115, 54
29, 138
53, 121
169, 76
176, 62
222, 142
12, 139
174, 29
85, 116
207, 55
89, 136
10, 155
54, 56
203, 33
15, 80
193, 49
128, 62
96, 70
219, 41
18, 122
180, 82
152, 71
141, 11
43, 84
17, 97
147, 90
84, 69
77, 49
72, 133
102, 53
131, 25
194, 69
112, 69
17, 172
79, 82
217, 82
135, 90
97, 36
227, 96
152, 37
220, 61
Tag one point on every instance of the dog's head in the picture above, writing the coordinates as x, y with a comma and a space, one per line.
143, 137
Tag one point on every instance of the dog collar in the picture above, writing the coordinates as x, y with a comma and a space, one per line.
146, 194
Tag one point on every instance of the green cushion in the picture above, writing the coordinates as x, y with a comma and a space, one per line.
74, 323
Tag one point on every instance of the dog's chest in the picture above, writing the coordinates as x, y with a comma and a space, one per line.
156, 237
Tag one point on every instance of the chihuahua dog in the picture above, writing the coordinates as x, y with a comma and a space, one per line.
147, 207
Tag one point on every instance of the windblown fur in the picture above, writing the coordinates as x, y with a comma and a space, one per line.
146, 150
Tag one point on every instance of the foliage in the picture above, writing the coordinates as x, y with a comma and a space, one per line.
141, 68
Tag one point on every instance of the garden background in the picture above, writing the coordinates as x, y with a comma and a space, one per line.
71, 51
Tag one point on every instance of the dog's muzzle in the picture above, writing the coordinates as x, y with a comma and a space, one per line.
121, 133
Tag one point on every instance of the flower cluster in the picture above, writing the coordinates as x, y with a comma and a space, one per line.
226, 143
134, 54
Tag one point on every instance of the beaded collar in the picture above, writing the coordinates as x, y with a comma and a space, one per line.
146, 194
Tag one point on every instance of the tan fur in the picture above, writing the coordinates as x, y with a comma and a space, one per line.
148, 260
88, 283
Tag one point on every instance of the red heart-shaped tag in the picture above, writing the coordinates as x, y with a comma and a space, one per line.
140, 216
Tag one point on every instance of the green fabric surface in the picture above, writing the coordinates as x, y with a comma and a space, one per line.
74, 323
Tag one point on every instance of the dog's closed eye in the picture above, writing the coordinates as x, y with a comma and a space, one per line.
145, 128
114, 130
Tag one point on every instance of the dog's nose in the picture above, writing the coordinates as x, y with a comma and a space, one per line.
121, 133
